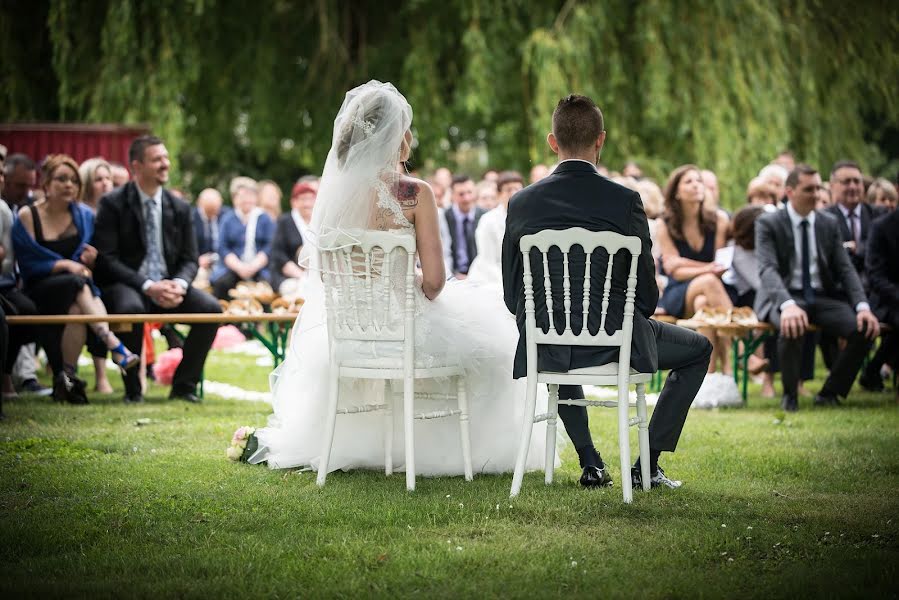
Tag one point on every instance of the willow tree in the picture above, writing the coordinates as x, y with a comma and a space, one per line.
254, 88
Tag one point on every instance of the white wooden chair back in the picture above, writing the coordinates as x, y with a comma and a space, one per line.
359, 270
589, 241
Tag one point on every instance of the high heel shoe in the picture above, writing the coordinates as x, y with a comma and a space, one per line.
128, 360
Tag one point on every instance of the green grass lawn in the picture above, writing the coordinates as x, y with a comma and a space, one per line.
94, 502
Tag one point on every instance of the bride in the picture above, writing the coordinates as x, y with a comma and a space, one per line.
362, 188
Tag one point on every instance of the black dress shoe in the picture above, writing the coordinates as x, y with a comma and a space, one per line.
186, 396
789, 403
593, 477
871, 382
134, 399
826, 400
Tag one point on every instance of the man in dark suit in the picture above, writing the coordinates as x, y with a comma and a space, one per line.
806, 276
882, 265
462, 220
148, 257
576, 195
853, 214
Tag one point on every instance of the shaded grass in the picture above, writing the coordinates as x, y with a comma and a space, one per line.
97, 501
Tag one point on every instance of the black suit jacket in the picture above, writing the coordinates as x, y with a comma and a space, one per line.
120, 237
776, 255
575, 195
472, 247
882, 265
868, 214
285, 245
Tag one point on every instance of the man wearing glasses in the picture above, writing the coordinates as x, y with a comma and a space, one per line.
853, 214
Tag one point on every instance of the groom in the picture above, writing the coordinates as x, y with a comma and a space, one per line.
575, 195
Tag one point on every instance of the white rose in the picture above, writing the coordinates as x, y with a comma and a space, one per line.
233, 453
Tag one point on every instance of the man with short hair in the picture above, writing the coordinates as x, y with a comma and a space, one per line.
462, 219
847, 189
576, 195
488, 266
806, 277
20, 174
148, 261
206, 220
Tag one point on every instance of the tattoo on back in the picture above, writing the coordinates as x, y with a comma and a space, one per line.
406, 193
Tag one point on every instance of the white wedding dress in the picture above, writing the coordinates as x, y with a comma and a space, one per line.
467, 324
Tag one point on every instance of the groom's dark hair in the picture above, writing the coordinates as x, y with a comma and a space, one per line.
577, 122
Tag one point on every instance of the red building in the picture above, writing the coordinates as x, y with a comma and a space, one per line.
79, 140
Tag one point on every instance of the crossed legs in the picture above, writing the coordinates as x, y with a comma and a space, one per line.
707, 290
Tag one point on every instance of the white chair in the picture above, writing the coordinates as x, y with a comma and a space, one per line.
618, 374
362, 305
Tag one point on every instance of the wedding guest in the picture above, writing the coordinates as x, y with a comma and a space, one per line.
746, 283
120, 174
760, 193
207, 216
51, 240
689, 238
96, 177
806, 276
775, 176
486, 195
291, 230
490, 175
487, 266
270, 196
538, 172
824, 198
20, 174
14, 302
882, 265
245, 240
882, 195
462, 220
444, 179
786, 160
853, 215
710, 181
632, 169
149, 260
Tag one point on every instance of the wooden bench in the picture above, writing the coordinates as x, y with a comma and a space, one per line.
276, 342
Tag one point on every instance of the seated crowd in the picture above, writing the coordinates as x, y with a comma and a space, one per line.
93, 238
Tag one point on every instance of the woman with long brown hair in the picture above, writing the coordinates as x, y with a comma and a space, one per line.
688, 239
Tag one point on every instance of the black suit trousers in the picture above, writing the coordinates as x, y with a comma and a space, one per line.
833, 316
124, 299
687, 355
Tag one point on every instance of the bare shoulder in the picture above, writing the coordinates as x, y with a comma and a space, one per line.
25, 215
410, 192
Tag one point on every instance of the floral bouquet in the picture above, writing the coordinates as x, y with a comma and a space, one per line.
243, 444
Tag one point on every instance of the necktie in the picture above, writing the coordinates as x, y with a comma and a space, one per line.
808, 292
154, 256
466, 240
209, 241
853, 227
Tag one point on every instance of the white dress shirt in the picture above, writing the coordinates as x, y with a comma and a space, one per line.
855, 228
488, 264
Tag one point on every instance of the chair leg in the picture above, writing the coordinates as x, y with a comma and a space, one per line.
330, 422
462, 397
624, 442
643, 436
388, 428
527, 429
553, 411
409, 430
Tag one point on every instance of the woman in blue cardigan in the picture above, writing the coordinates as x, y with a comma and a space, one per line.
245, 240
52, 250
